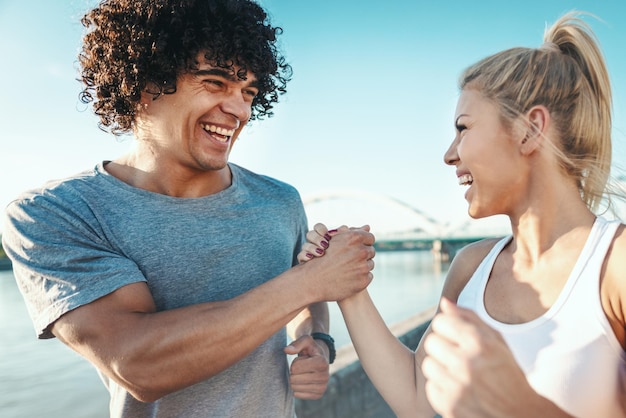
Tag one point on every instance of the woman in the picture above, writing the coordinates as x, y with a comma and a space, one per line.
532, 325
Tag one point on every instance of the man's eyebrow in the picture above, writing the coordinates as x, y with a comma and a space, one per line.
220, 72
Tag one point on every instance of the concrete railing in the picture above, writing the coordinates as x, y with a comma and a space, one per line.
350, 393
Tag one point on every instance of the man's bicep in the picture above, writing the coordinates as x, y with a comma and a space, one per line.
96, 324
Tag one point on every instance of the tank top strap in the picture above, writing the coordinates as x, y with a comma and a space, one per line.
594, 254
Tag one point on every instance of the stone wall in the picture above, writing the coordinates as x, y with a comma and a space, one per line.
350, 393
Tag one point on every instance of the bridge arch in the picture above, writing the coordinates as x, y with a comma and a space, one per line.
386, 215
392, 219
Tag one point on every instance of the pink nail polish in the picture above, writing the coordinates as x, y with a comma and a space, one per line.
324, 244
319, 251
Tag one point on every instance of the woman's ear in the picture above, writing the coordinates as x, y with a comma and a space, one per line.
539, 118
538, 121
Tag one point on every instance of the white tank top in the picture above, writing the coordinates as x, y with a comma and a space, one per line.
570, 354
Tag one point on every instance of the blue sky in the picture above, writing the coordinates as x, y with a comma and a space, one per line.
370, 107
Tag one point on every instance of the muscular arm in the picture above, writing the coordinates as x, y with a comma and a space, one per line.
313, 318
154, 353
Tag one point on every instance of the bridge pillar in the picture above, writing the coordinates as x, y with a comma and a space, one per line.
439, 252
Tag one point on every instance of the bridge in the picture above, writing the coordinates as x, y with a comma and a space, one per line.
397, 225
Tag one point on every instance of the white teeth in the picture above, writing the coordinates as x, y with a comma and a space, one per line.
225, 133
466, 180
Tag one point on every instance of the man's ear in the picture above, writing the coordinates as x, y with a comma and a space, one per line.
145, 100
538, 121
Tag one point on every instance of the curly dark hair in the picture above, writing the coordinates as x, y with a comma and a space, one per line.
133, 46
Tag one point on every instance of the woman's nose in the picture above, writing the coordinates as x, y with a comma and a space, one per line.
451, 156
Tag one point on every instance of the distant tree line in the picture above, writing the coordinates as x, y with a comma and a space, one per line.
2, 253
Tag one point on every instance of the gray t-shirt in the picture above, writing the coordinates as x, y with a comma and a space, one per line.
81, 238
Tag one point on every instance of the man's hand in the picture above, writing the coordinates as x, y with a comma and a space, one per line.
309, 371
341, 267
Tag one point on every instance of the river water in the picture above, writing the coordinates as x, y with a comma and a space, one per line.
44, 378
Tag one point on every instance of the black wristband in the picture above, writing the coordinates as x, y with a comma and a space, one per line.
329, 342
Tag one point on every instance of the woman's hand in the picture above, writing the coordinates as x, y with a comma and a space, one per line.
470, 371
318, 240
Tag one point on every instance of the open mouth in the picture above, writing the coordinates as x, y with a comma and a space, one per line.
220, 134
466, 180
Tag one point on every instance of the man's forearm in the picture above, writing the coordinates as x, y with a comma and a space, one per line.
313, 318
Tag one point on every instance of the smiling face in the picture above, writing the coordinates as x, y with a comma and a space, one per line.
196, 127
485, 157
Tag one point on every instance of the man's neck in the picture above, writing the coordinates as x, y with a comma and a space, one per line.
168, 179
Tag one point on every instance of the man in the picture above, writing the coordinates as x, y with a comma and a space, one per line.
170, 269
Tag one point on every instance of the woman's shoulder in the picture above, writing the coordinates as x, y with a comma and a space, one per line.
613, 288
464, 264
620, 236
616, 261
616, 257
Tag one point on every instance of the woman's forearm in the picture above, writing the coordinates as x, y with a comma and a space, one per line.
389, 364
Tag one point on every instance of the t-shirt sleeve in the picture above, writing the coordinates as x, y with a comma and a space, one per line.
302, 227
61, 258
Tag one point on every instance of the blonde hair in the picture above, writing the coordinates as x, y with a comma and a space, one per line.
568, 76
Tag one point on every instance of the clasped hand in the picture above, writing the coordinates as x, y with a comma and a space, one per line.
345, 270
343, 267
